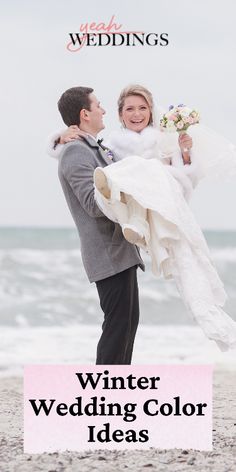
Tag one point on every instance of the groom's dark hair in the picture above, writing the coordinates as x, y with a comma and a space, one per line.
72, 102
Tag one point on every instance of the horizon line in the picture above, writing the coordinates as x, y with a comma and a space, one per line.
45, 227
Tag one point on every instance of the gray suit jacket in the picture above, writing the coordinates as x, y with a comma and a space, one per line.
104, 250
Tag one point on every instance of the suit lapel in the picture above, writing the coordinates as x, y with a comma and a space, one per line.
104, 156
92, 143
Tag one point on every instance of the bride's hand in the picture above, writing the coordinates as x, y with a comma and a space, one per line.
72, 133
185, 144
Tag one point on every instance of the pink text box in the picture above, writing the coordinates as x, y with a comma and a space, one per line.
162, 406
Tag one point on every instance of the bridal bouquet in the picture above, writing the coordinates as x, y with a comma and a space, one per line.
179, 119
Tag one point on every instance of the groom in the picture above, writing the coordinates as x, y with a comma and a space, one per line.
109, 260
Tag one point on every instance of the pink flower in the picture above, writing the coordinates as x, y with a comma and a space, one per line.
191, 120
173, 117
180, 125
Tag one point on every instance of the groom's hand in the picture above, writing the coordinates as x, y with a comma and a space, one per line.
185, 144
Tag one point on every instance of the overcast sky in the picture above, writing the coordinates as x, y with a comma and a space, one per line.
197, 68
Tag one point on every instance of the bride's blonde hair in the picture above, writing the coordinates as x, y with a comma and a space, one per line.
136, 90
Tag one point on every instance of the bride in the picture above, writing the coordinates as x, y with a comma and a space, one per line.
145, 192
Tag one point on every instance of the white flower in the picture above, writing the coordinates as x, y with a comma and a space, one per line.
170, 126
185, 111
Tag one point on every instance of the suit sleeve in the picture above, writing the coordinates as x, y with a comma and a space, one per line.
78, 169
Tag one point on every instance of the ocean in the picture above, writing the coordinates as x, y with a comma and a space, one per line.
50, 313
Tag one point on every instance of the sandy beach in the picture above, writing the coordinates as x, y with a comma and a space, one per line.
221, 459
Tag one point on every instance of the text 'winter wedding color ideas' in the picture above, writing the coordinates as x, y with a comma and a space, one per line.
117, 407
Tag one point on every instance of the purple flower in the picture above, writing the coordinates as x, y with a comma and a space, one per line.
170, 107
181, 105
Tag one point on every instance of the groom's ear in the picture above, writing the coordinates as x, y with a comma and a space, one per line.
84, 114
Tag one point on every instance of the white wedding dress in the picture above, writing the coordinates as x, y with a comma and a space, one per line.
175, 242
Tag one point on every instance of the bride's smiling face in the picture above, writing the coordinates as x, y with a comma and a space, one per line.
135, 113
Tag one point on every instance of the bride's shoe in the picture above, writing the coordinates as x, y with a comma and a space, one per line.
133, 236
101, 183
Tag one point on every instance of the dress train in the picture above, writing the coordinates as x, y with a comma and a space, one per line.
175, 242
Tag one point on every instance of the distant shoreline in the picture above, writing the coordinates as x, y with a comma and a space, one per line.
72, 228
